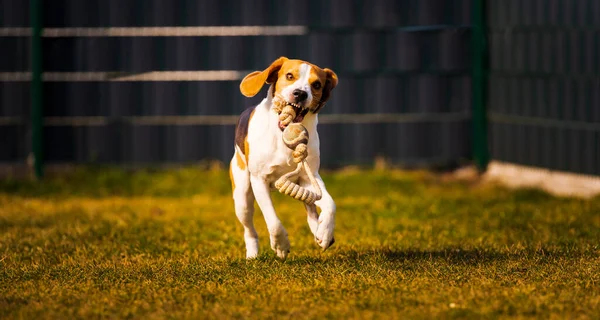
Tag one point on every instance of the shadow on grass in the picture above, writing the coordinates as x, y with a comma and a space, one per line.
379, 261
452, 256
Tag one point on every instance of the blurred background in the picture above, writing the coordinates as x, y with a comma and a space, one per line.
422, 82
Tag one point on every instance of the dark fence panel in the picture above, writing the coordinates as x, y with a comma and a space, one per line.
410, 59
315, 13
14, 95
130, 143
544, 84
427, 143
14, 13
437, 50
14, 54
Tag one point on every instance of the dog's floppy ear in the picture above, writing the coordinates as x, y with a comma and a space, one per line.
252, 83
330, 83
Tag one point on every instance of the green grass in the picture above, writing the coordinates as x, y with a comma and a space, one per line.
166, 244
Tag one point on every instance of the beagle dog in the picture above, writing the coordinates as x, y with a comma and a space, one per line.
261, 157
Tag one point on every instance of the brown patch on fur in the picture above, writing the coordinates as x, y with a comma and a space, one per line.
316, 75
331, 81
246, 149
239, 161
252, 83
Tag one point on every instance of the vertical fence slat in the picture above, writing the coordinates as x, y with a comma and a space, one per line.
36, 87
480, 146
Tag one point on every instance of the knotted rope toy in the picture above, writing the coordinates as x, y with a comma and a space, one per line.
295, 137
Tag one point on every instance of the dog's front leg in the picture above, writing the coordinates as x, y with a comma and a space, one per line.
312, 216
278, 235
326, 222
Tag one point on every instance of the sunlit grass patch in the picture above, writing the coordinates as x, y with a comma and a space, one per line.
156, 244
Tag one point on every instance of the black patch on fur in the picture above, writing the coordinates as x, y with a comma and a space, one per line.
241, 128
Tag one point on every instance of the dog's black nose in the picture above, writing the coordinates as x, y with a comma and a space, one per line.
300, 95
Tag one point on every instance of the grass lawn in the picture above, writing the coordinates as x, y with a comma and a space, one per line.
167, 244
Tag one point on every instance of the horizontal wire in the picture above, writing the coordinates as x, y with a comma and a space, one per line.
206, 75
213, 31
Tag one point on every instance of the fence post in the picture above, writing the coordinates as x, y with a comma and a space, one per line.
479, 57
35, 14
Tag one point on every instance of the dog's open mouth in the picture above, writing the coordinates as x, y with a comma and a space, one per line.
299, 111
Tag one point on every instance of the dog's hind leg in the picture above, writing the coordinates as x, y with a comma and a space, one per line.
243, 199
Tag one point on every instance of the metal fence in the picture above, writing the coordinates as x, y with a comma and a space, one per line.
544, 83
156, 81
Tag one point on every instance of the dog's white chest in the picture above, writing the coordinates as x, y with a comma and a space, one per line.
272, 159
269, 157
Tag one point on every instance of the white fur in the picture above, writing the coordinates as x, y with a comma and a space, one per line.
302, 84
268, 160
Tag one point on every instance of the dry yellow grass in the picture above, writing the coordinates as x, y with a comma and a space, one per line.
166, 244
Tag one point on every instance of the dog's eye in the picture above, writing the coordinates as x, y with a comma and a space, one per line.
316, 85
289, 76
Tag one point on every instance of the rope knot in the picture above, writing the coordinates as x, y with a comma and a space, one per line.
300, 153
286, 112
295, 137
287, 115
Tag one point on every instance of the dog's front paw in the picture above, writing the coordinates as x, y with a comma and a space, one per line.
251, 248
280, 243
324, 235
